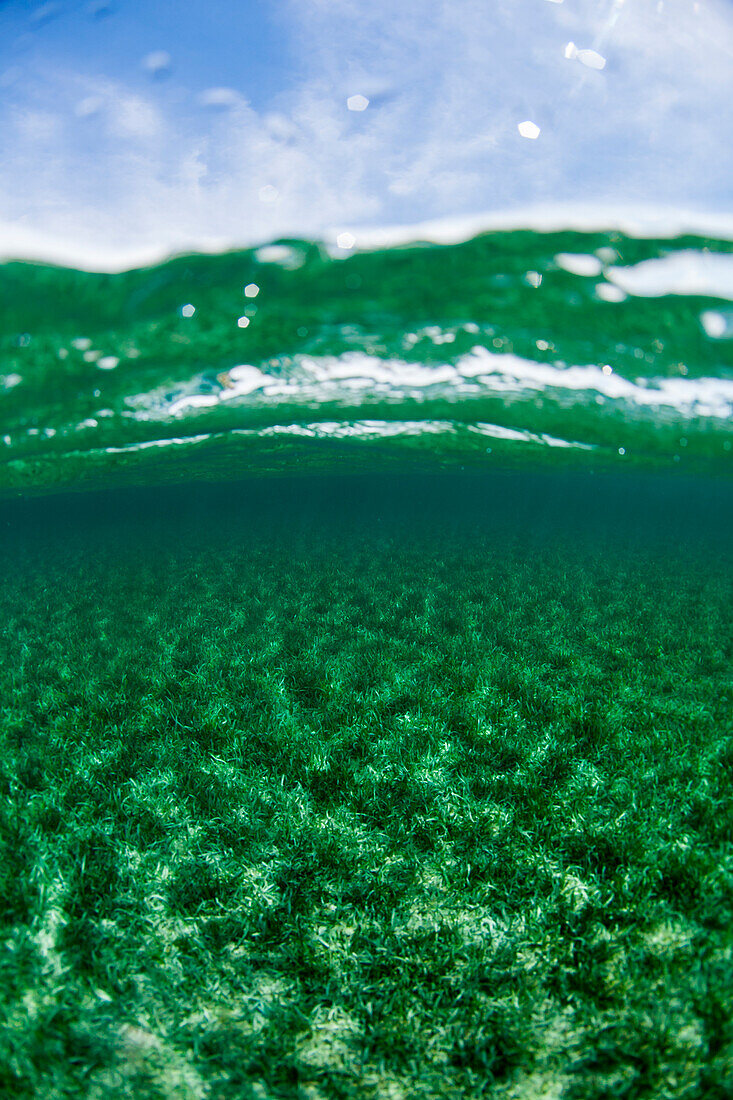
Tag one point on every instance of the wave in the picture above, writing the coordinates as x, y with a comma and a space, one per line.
512, 346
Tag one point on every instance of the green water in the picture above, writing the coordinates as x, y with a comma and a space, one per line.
365, 699
481, 355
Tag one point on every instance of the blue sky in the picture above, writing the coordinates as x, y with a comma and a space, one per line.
134, 126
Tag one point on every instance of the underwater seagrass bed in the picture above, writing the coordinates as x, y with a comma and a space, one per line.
397, 787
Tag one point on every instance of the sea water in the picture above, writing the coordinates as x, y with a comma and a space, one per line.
365, 647
514, 349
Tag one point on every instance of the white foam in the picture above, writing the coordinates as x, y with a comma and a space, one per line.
510, 373
174, 442
686, 272
637, 221
281, 254
578, 263
608, 292
242, 380
193, 401
497, 431
19, 242
717, 325
314, 380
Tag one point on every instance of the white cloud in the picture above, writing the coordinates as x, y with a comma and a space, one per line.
133, 116
447, 84
37, 125
157, 62
221, 98
88, 106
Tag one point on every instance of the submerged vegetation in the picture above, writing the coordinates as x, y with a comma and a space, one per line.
365, 811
